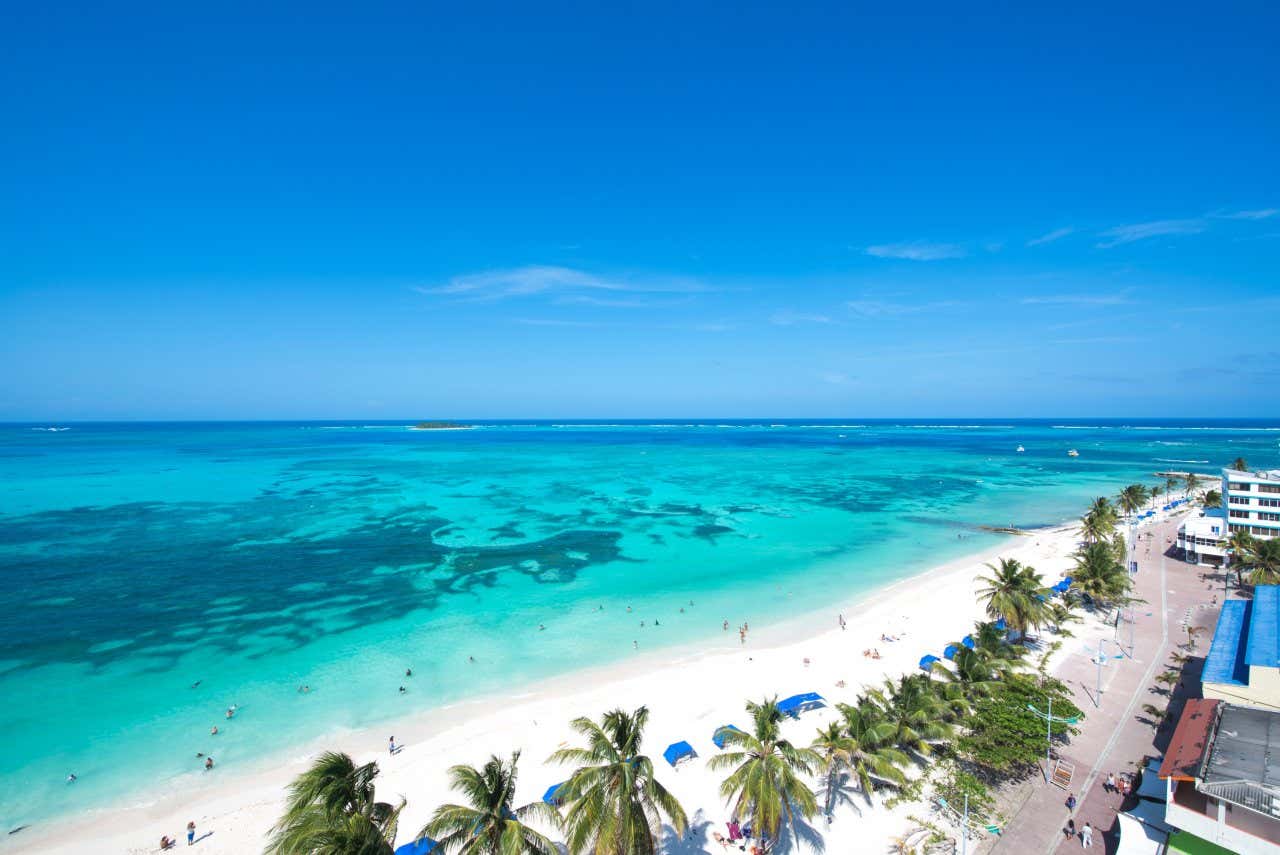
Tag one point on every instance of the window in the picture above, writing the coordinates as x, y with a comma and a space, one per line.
1238, 500
1262, 515
1269, 503
1240, 515
1241, 487
1269, 488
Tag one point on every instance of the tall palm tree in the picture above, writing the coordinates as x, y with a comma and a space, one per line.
1099, 521
835, 748
1016, 593
1240, 465
487, 824
1132, 498
1212, 499
976, 671
331, 810
1261, 559
766, 785
615, 805
873, 757
918, 717
1191, 484
1099, 575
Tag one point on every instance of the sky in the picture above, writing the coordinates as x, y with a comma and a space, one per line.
385, 211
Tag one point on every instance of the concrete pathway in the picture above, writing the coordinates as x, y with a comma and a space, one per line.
1117, 735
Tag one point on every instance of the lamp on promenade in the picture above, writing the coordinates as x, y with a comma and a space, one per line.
1048, 731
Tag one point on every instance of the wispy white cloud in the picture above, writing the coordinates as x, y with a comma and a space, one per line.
867, 308
619, 302
1050, 237
1143, 231
1259, 214
918, 250
1118, 298
835, 378
788, 318
543, 279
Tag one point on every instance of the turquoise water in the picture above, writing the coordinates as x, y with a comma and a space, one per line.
138, 559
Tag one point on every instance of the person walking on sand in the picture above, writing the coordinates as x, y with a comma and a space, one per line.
191, 832
391, 744
1086, 836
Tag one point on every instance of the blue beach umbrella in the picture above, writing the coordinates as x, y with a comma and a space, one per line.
950, 652
678, 751
417, 847
718, 737
926, 662
550, 795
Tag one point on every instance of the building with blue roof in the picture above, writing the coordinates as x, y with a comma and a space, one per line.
1243, 665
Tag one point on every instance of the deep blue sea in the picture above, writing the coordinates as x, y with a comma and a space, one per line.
138, 559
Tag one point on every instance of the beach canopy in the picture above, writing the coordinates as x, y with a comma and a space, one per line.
1001, 625
797, 704
926, 662
678, 751
721, 732
950, 652
417, 847
550, 795
968, 642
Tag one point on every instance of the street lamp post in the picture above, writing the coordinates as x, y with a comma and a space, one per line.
1048, 731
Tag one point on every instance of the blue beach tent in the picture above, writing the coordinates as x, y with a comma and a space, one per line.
417, 847
950, 652
797, 704
550, 795
718, 737
1001, 625
926, 662
968, 642
678, 751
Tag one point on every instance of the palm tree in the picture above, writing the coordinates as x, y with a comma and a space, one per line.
1061, 614
1171, 484
1099, 521
1261, 558
873, 757
1099, 576
918, 717
766, 785
331, 810
1132, 498
1016, 593
1212, 499
615, 803
835, 747
487, 824
1191, 484
1240, 465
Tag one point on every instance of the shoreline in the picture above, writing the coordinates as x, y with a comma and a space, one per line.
925, 610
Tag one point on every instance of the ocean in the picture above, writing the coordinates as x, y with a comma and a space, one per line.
155, 574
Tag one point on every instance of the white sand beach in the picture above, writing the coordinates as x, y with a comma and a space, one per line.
689, 693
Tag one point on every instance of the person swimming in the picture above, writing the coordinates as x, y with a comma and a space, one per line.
214, 731
403, 690
408, 672
208, 763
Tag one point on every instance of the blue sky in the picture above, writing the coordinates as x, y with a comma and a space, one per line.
465, 210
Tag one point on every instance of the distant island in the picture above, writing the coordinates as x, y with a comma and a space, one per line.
440, 426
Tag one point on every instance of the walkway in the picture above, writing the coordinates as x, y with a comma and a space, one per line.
1116, 736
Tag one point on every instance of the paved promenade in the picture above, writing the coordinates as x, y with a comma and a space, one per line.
1118, 734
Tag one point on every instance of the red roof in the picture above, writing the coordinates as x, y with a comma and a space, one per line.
1182, 758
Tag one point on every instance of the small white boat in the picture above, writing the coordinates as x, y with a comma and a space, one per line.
1073, 453
1021, 449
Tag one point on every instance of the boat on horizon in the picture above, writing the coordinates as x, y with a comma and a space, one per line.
1072, 453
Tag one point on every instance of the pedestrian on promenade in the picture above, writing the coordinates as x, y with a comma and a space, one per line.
1086, 836
1071, 802
1070, 831
1110, 786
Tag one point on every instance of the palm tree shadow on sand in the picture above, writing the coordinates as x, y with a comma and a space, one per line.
842, 795
802, 831
693, 842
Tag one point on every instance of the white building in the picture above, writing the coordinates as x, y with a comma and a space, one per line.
1252, 502
1203, 539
